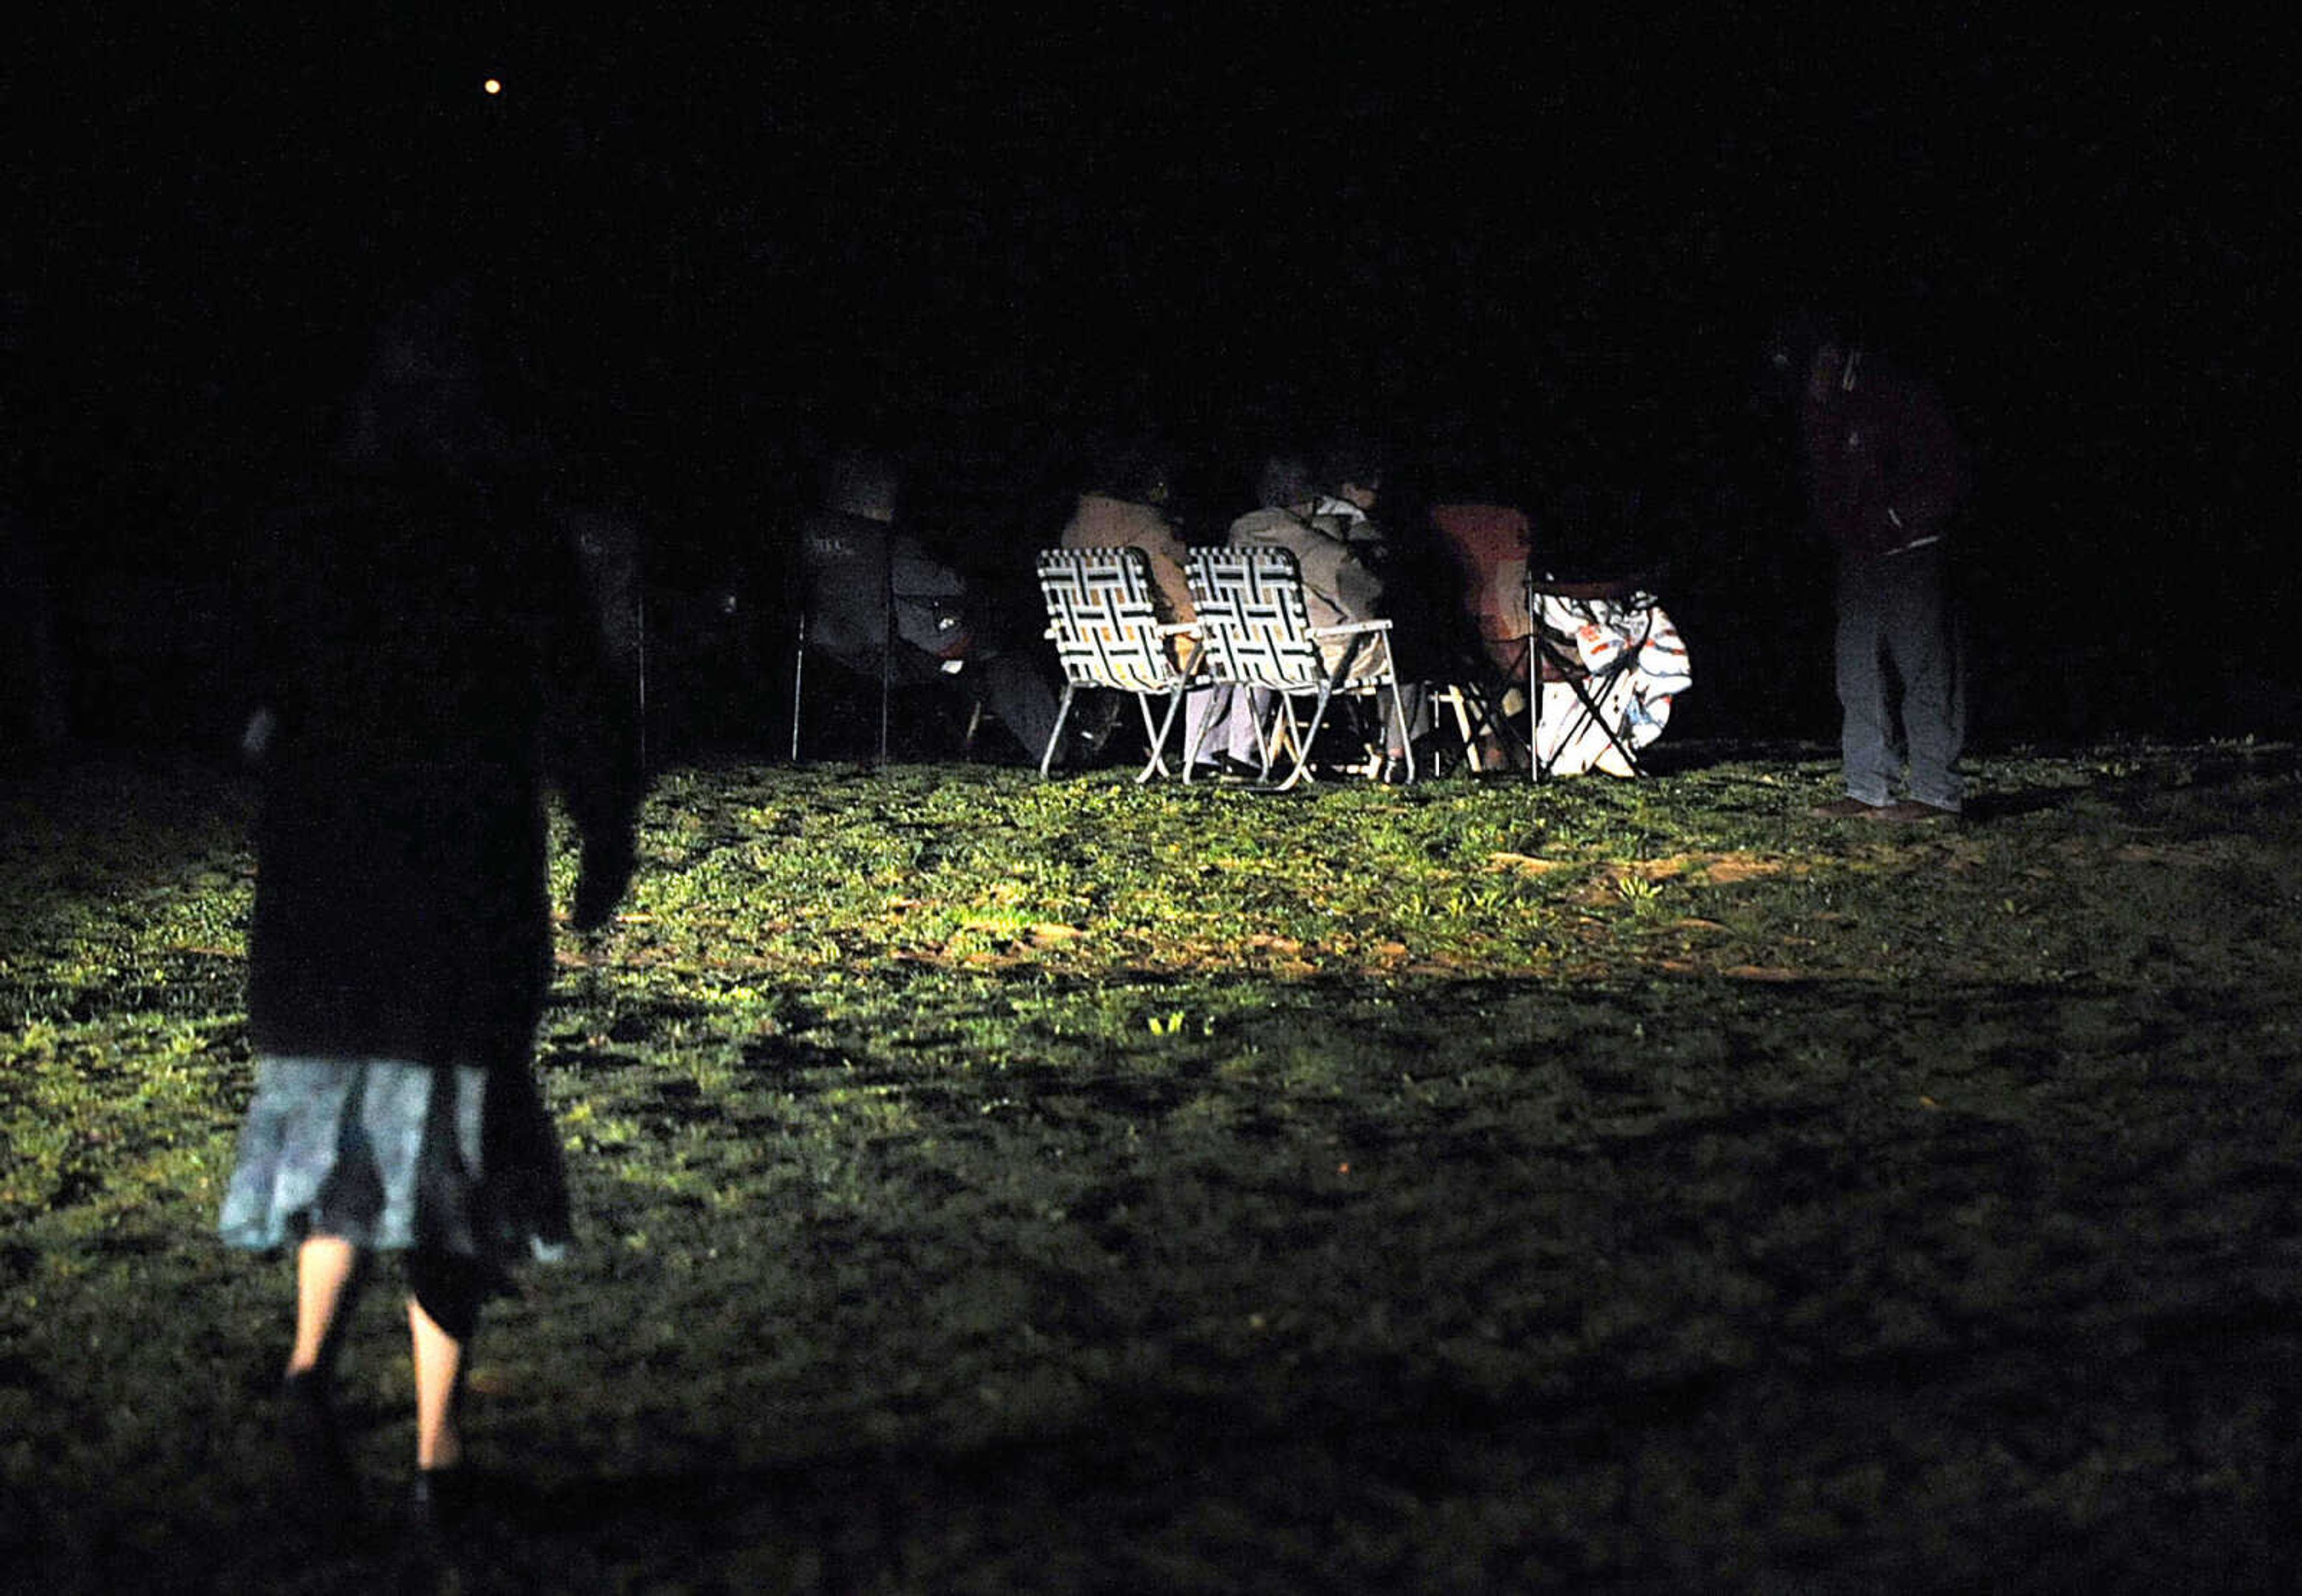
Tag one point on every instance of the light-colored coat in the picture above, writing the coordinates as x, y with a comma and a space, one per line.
1102, 522
1332, 543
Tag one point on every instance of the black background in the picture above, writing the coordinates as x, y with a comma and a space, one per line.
1538, 256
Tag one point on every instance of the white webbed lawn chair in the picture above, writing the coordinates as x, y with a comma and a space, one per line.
1107, 634
1255, 632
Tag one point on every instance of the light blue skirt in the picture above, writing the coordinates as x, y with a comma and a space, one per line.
391, 1155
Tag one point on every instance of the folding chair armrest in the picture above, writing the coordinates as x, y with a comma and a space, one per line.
1350, 628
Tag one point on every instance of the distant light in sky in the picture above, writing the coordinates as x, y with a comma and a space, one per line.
492, 86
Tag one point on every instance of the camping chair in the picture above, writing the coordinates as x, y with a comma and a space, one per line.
1473, 702
850, 596
1465, 691
1484, 653
1107, 634
847, 606
1573, 691
1255, 632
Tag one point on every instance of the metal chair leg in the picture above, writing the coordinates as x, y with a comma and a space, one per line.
799, 670
1062, 712
1310, 737
1157, 762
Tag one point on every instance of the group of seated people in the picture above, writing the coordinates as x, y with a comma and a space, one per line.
1470, 619
1462, 610
1321, 515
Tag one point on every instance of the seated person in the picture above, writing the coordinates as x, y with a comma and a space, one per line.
1490, 544
1339, 551
1338, 548
1123, 508
859, 561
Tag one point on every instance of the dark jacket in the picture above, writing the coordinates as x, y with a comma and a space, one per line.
429, 663
1885, 469
853, 568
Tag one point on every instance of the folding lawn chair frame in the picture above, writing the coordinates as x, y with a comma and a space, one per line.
1107, 634
1482, 644
850, 556
1557, 609
1472, 694
1255, 632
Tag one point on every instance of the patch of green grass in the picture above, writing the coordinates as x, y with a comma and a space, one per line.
987, 1184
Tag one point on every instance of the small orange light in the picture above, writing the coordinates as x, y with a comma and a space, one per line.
491, 87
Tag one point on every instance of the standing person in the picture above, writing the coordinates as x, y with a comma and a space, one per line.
1885, 477
429, 662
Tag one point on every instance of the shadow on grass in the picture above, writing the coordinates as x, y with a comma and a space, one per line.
1625, 1271
1667, 1285
1952, 1301
1381, 1475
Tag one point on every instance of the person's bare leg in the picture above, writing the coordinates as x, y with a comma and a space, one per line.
327, 1278
327, 1268
439, 1382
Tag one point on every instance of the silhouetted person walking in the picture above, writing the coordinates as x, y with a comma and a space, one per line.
429, 663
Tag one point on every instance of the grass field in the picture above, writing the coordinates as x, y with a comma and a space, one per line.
991, 1186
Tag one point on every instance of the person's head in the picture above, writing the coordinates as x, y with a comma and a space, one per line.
864, 482
1137, 469
1283, 480
1350, 468
1795, 349
1824, 371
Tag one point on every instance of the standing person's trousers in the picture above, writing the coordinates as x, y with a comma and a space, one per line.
1902, 689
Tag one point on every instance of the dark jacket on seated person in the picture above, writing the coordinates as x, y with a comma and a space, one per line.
856, 567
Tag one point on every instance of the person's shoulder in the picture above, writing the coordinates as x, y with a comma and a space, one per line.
1100, 516
1126, 515
1265, 525
1148, 519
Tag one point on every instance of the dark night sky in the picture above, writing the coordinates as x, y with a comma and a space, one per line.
1539, 254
